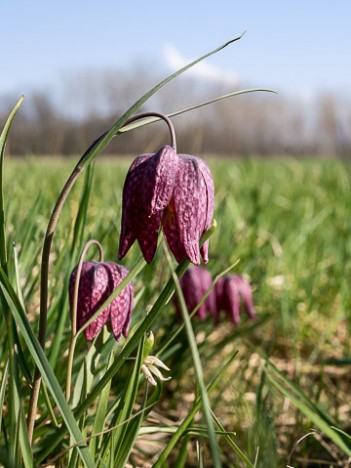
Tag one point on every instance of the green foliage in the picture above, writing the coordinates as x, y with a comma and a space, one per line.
241, 396
282, 229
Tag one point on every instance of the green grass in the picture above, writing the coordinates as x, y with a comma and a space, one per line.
288, 222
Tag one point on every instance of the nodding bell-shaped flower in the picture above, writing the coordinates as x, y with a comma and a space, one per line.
227, 295
230, 291
97, 282
195, 282
171, 190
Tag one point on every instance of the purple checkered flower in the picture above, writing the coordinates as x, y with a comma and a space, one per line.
97, 282
230, 291
171, 190
195, 283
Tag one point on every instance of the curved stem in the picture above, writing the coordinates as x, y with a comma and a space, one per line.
45, 259
168, 121
73, 341
78, 274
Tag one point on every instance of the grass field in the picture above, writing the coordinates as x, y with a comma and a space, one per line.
285, 394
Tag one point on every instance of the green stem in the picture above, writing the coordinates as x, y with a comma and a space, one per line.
132, 342
73, 340
87, 158
45, 260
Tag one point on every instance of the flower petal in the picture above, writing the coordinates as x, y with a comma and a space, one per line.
231, 299
121, 306
146, 194
184, 227
208, 202
246, 294
160, 179
195, 283
132, 204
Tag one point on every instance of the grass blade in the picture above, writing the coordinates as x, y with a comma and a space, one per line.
149, 120
3, 140
182, 429
99, 144
101, 412
4, 378
307, 407
41, 361
133, 341
128, 400
206, 408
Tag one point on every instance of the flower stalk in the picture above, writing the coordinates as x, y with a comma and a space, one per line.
45, 259
74, 335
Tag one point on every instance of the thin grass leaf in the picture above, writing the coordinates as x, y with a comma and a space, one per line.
227, 436
13, 403
26, 451
183, 452
41, 361
3, 139
4, 378
296, 390
13, 339
18, 276
128, 401
132, 342
49, 405
150, 120
206, 407
308, 409
101, 412
21, 356
134, 427
190, 416
99, 144
337, 429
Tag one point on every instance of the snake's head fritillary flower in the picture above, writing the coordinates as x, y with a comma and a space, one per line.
97, 282
172, 191
195, 282
230, 291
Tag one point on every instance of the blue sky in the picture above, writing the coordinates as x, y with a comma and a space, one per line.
300, 47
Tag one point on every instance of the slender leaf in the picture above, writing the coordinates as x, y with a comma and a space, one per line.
99, 144
190, 416
149, 120
308, 408
41, 361
206, 408
101, 411
128, 401
4, 382
3, 140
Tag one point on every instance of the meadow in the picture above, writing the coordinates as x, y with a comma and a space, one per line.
278, 386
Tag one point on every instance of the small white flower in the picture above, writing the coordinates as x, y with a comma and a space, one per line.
149, 368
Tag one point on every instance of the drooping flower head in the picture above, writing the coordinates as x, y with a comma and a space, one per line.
195, 282
230, 291
97, 282
172, 191
228, 294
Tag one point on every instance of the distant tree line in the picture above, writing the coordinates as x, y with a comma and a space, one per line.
66, 122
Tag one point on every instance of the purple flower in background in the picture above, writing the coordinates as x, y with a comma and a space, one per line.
171, 190
195, 283
228, 294
97, 283
230, 291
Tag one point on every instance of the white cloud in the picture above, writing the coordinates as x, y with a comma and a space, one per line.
206, 71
